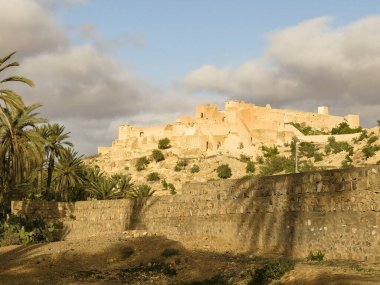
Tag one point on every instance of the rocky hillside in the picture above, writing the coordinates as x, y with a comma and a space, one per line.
164, 168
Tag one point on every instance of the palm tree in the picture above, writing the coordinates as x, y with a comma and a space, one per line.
69, 172
55, 146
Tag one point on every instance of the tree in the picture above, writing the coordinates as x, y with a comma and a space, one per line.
69, 172
55, 146
224, 171
164, 143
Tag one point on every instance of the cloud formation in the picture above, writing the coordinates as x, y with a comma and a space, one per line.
310, 64
80, 85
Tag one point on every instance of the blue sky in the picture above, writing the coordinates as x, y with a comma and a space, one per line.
179, 35
100, 64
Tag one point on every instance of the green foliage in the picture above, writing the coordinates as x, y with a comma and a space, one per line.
164, 143
195, 168
181, 164
141, 191
378, 123
27, 231
372, 139
344, 128
277, 164
316, 256
370, 150
158, 155
269, 151
363, 135
250, 167
259, 159
318, 156
224, 171
307, 130
244, 158
153, 176
337, 147
141, 163
271, 271
307, 149
306, 166
172, 189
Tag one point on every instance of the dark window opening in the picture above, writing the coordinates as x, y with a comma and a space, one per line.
202, 115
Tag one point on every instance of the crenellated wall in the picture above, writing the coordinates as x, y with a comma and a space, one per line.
337, 212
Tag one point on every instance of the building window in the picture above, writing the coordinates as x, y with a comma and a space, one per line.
202, 115
141, 134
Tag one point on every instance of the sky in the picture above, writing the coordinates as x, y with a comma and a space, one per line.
97, 64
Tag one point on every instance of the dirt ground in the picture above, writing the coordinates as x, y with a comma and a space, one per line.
156, 260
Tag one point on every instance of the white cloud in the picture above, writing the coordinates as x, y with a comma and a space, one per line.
309, 64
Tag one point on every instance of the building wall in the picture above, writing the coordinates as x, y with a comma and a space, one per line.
337, 212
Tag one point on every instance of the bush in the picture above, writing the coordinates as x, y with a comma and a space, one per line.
172, 189
164, 143
271, 271
181, 164
344, 128
269, 151
158, 155
20, 230
141, 191
141, 163
224, 171
169, 251
372, 139
370, 150
250, 167
337, 147
307, 149
318, 157
153, 176
307, 130
244, 158
363, 135
259, 159
195, 168
277, 164
316, 256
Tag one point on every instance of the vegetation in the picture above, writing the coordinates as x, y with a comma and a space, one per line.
195, 168
370, 150
141, 191
269, 151
181, 164
164, 143
17, 229
277, 164
141, 163
224, 171
316, 256
337, 147
157, 155
307, 130
271, 271
250, 167
344, 128
153, 176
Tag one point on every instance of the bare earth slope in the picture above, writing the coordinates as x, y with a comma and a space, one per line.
116, 260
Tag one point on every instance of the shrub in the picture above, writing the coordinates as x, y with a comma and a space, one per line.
370, 150
172, 189
141, 163
307, 130
181, 164
169, 251
363, 135
20, 230
244, 158
277, 164
271, 271
372, 139
164, 143
158, 155
195, 168
250, 167
337, 147
344, 128
306, 166
316, 256
164, 184
259, 159
269, 151
153, 176
141, 191
307, 149
318, 157
224, 171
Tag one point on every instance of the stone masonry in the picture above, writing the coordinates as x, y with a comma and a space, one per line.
336, 211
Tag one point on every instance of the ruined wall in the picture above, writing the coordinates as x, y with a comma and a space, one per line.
337, 212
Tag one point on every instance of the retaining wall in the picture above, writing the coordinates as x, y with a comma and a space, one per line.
337, 212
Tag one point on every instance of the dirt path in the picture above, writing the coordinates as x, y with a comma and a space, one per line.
153, 260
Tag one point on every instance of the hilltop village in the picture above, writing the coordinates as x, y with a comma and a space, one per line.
249, 139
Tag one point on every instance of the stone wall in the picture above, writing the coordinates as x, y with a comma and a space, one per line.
337, 212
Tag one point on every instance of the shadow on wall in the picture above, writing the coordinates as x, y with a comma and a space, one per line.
139, 207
